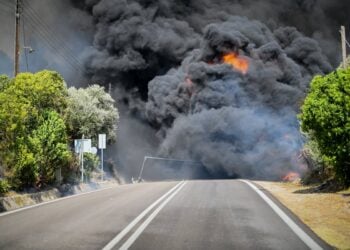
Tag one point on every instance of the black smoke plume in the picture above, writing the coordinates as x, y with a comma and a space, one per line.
236, 123
165, 61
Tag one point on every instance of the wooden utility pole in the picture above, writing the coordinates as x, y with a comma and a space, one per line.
17, 45
343, 45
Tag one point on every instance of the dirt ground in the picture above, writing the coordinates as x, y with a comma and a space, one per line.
327, 214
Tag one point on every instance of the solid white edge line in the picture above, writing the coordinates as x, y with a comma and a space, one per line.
126, 230
52, 201
143, 226
296, 229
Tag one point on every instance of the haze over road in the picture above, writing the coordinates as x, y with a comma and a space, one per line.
204, 214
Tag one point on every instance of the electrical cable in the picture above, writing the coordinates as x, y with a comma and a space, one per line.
47, 30
7, 8
50, 42
52, 47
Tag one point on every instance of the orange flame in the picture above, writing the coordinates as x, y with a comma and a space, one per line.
237, 62
291, 176
188, 81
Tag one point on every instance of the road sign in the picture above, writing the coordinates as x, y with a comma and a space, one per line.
82, 145
102, 141
102, 146
93, 150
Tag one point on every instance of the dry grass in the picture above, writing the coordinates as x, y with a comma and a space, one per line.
327, 214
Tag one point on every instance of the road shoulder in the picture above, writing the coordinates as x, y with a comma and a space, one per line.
18, 201
326, 214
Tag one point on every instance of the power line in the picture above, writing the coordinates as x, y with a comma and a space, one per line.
47, 29
53, 43
50, 43
50, 40
9, 4
52, 47
6, 8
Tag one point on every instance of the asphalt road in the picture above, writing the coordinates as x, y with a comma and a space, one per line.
208, 214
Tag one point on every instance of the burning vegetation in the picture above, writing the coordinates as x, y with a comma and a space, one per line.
291, 176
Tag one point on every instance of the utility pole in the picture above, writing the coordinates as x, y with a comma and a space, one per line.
17, 45
343, 45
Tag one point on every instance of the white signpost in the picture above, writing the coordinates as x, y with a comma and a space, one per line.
102, 146
82, 146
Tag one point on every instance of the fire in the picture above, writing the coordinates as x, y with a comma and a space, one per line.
291, 176
237, 62
189, 85
188, 81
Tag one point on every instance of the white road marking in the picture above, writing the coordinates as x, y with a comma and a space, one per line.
143, 226
296, 229
52, 201
126, 230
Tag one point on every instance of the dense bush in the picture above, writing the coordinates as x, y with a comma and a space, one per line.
318, 170
33, 137
4, 82
49, 144
325, 116
4, 186
39, 118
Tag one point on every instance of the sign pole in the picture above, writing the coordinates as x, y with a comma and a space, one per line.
82, 159
102, 146
101, 164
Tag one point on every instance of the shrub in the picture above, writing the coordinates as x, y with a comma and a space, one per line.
325, 116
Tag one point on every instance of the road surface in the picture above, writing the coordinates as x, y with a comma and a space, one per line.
202, 214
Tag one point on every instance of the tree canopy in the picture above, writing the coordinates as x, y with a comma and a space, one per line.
39, 118
91, 111
325, 116
30, 109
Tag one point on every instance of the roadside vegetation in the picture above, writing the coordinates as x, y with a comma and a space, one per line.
325, 120
39, 120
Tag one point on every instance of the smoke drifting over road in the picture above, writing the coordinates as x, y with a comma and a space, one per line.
219, 88
236, 122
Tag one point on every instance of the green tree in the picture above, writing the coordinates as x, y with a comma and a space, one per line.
24, 105
325, 116
4, 82
49, 144
91, 111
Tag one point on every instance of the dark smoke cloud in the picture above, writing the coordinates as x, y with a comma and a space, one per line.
165, 58
136, 40
236, 142
241, 125
133, 44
